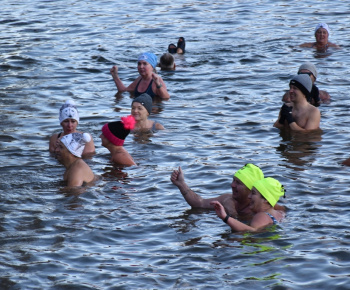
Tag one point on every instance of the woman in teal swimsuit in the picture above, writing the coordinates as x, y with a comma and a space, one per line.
265, 194
148, 82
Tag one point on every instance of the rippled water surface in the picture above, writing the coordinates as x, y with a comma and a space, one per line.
133, 229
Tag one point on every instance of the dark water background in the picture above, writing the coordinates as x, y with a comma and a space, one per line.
133, 229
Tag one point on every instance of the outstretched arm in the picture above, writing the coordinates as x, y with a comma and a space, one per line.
233, 223
196, 201
193, 199
259, 221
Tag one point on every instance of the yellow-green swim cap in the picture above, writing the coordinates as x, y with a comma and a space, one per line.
249, 174
270, 188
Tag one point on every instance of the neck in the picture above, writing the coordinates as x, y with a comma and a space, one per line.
242, 205
115, 149
322, 45
71, 160
146, 77
300, 103
267, 208
141, 124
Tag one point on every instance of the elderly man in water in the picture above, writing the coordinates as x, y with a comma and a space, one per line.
68, 152
322, 33
237, 203
299, 115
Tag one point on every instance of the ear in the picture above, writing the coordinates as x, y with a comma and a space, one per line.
174, 66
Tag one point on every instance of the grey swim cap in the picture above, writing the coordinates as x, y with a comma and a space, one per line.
303, 83
145, 100
310, 67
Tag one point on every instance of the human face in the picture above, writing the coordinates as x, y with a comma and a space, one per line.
295, 93
69, 126
256, 200
309, 73
240, 191
321, 36
61, 151
144, 68
104, 140
138, 111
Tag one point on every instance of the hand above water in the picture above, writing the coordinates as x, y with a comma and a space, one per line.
156, 79
114, 72
219, 209
177, 177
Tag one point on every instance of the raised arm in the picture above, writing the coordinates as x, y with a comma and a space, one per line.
89, 147
195, 200
159, 87
120, 86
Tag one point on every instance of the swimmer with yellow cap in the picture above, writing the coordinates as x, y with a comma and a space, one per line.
263, 197
235, 204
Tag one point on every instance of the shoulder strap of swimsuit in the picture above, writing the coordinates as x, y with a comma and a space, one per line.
272, 217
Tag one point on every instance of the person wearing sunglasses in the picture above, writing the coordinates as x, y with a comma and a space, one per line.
316, 97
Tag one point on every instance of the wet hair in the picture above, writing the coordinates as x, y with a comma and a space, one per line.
166, 61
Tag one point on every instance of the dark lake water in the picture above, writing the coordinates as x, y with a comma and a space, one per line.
133, 229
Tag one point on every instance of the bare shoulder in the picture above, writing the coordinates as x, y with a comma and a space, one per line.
324, 96
54, 137
307, 44
159, 126
330, 44
314, 110
260, 220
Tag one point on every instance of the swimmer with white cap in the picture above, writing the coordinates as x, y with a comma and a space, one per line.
69, 120
68, 152
322, 33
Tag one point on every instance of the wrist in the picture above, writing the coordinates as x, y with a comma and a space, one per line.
226, 219
159, 86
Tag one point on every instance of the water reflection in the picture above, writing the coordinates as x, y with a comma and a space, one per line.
299, 148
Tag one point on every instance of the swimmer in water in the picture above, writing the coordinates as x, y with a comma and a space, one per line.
68, 152
113, 136
148, 82
141, 108
299, 115
316, 96
167, 62
236, 204
263, 197
69, 119
322, 33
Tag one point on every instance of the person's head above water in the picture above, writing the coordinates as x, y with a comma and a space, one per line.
68, 111
303, 83
323, 26
167, 62
271, 189
116, 132
249, 174
308, 67
145, 100
149, 57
